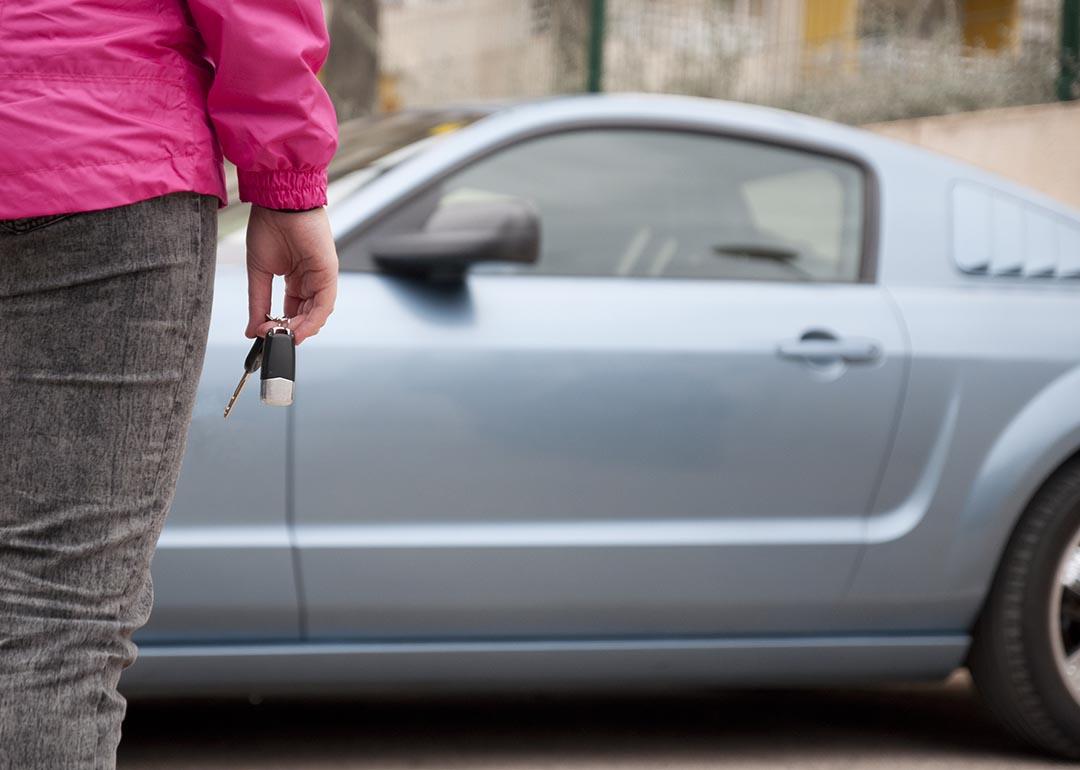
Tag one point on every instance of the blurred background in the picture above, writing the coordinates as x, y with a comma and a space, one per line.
857, 61
896, 65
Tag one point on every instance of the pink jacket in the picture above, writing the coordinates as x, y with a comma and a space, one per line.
107, 102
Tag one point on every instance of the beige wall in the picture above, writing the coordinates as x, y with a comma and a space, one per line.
1038, 146
462, 50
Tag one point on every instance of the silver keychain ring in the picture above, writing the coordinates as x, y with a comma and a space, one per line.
283, 322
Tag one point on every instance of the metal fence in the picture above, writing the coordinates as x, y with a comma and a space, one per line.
891, 60
851, 60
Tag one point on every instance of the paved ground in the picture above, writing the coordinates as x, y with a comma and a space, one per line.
938, 727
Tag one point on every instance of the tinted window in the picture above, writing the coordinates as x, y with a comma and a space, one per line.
649, 203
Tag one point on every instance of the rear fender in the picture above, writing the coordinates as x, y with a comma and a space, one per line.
1035, 443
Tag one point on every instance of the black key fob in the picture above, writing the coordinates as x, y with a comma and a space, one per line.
278, 376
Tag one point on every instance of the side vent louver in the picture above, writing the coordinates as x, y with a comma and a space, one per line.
995, 233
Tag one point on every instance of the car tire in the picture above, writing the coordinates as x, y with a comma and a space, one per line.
1017, 666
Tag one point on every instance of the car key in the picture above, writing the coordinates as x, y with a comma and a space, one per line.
251, 365
278, 377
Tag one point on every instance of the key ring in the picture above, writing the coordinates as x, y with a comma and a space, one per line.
283, 323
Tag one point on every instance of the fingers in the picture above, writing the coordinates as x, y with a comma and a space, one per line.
307, 315
260, 289
262, 329
293, 305
309, 323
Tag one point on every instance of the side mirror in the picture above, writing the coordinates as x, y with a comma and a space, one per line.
459, 235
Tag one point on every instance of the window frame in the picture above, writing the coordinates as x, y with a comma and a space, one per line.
871, 203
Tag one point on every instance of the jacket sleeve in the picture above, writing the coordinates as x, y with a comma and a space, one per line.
272, 116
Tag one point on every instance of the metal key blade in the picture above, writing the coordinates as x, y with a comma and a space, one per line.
235, 393
251, 364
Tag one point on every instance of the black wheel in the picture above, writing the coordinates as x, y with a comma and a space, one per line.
1025, 656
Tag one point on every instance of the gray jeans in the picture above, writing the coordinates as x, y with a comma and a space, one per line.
103, 324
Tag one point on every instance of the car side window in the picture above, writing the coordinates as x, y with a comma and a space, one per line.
665, 203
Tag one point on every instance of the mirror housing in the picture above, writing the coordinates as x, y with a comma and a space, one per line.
459, 235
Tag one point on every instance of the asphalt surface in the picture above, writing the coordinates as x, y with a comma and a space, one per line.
923, 726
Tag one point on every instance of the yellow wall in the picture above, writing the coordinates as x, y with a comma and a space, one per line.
990, 23
828, 22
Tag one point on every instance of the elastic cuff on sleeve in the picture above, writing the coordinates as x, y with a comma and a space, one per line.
283, 189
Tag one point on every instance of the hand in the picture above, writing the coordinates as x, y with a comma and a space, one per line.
299, 246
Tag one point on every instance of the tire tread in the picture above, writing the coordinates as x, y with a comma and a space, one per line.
999, 658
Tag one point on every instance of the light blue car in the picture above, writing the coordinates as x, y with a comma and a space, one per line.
631, 390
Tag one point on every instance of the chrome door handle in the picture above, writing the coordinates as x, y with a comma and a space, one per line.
817, 350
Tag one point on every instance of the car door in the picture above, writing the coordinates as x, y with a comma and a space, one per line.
673, 423
223, 570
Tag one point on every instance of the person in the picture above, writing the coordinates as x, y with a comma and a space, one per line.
114, 117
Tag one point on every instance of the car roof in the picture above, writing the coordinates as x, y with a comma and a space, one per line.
885, 156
